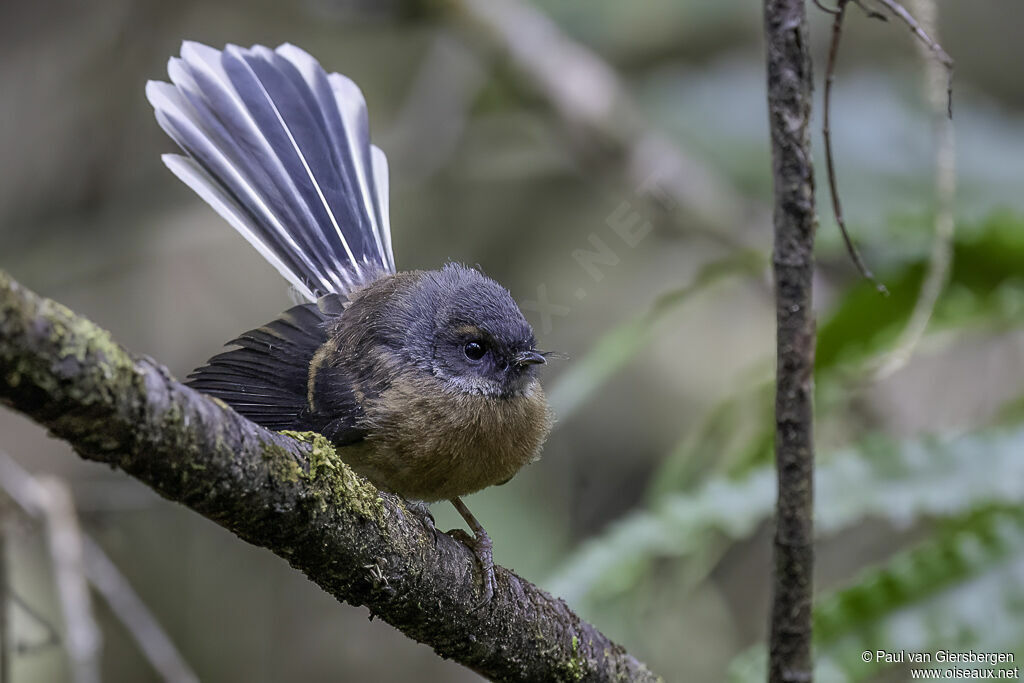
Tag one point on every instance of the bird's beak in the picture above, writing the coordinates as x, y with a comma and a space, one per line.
524, 358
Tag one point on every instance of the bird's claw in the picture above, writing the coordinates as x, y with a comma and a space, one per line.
482, 550
480, 544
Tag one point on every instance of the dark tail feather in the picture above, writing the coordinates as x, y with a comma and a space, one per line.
282, 151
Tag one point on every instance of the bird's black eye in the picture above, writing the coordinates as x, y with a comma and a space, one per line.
474, 350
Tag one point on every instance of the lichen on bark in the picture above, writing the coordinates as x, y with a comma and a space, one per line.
291, 493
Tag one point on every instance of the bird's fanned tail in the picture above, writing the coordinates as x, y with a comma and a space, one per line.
282, 151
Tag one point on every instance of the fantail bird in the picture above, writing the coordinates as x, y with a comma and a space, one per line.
424, 380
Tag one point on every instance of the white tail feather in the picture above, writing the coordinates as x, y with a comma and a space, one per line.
281, 150
193, 175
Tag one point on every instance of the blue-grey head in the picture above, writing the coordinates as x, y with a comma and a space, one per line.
482, 344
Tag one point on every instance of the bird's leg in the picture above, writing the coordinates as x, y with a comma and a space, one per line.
482, 548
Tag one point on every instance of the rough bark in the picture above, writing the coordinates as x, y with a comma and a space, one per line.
291, 494
789, 108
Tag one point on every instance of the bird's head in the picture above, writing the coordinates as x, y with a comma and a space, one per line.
481, 343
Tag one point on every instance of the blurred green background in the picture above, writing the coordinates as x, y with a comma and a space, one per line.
650, 511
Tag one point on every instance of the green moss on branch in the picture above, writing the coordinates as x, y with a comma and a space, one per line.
291, 493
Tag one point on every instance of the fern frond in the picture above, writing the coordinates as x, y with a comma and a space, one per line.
963, 588
899, 482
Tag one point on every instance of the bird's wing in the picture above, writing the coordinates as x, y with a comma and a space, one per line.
266, 378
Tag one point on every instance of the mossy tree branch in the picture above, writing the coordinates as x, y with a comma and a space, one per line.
290, 493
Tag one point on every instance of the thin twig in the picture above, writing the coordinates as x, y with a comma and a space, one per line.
915, 28
595, 106
108, 581
127, 606
827, 10
871, 14
837, 209
82, 639
52, 637
941, 258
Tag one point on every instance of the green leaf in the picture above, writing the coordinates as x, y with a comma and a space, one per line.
900, 482
986, 282
961, 589
987, 286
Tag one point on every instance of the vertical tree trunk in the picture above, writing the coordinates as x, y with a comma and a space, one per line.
789, 108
